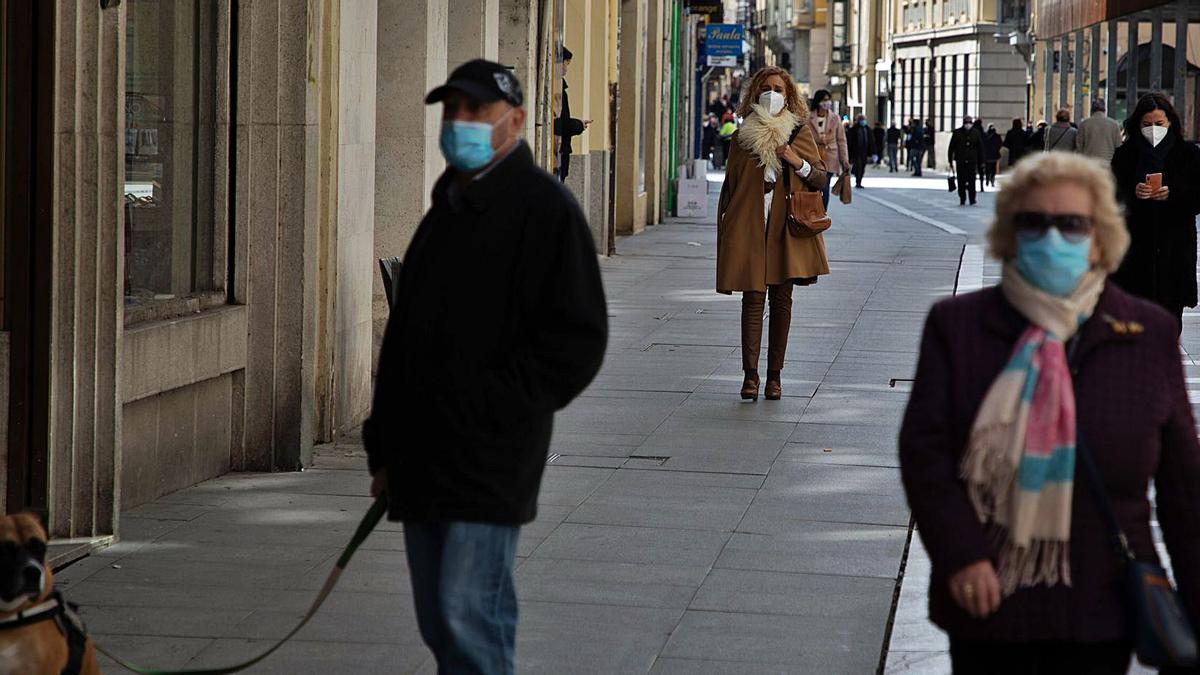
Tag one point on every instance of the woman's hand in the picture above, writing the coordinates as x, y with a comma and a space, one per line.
788, 154
1144, 191
379, 482
1162, 194
976, 589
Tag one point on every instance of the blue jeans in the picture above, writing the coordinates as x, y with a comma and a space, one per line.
463, 591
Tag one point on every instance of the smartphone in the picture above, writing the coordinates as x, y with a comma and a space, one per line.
1154, 180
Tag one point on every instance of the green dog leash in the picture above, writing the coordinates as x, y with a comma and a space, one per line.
369, 521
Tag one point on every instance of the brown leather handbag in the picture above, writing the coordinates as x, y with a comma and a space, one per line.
806, 215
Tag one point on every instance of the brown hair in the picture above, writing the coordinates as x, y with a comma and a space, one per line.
1063, 115
754, 87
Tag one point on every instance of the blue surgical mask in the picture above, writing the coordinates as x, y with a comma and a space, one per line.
1051, 263
467, 146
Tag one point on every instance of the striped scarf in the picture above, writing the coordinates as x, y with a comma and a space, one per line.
1019, 464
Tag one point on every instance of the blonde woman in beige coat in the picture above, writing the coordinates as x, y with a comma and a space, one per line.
772, 151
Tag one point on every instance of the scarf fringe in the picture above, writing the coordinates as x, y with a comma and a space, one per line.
1042, 563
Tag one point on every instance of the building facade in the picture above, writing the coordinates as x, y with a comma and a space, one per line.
1118, 52
950, 58
195, 194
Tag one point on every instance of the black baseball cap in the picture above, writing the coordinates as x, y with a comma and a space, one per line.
485, 81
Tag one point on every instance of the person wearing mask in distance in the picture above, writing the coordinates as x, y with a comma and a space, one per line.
966, 154
992, 143
565, 126
773, 154
1161, 264
830, 135
467, 389
858, 143
1013, 384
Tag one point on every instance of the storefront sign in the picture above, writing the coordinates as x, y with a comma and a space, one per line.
713, 9
724, 39
722, 61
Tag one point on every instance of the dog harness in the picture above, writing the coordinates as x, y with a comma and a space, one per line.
69, 624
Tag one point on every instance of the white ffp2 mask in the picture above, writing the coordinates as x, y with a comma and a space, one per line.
771, 100
1155, 134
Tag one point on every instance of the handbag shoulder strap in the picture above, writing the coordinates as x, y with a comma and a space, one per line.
1096, 483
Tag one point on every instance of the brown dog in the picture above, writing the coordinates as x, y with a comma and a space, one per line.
39, 634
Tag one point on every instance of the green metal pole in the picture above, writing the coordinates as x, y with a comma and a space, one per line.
672, 170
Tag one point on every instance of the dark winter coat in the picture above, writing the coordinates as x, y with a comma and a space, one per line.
991, 146
566, 127
1016, 141
1161, 262
1135, 417
893, 136
858, 144
498, 321
966, 146
1037, 141
878, 135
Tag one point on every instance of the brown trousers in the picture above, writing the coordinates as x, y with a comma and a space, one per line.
753, 303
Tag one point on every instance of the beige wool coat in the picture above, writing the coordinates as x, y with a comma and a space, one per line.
752, 254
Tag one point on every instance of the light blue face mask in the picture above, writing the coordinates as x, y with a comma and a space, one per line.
467, 146
1051, 263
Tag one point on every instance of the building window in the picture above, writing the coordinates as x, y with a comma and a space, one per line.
955, 10
170, 131
914, 14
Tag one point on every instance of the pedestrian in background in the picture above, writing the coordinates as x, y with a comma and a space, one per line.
1099, 135
1158, 181
859, 143
981, 170
1037, 140
1013, 384
725, 136
965, 155
878, 143
1017, 141
467, 390
992, 144
894, 135
773, 155
565, 126
830, 137
708, 140
1061, 136
917, 146
905, 155
930, 144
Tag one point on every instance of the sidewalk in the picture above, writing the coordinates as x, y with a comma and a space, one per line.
680, 529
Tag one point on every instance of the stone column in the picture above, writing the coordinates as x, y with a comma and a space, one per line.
1079, 113
1180, 65
1110, 70
1064, 61
473, 31
1094, 70
630, 196
517, 49
1048, 89
411, 58
86, 313
1131, 64
603, 44
1156, 62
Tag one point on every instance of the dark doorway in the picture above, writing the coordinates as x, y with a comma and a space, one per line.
27, 230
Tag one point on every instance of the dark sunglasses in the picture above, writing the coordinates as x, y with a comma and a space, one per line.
1034, 225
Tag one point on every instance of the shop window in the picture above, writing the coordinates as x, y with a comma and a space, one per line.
170, 92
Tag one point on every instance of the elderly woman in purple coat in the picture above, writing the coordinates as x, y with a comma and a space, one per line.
1014, 383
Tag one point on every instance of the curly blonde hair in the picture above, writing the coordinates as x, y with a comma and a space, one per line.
753, 88
1052, 168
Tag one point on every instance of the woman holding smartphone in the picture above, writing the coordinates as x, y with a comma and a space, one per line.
1157, 174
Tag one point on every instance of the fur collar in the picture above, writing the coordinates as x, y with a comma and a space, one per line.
762, 133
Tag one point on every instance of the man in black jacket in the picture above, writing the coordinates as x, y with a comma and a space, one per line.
858, 143
893, 146
966, 154
498, 321
565, 126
